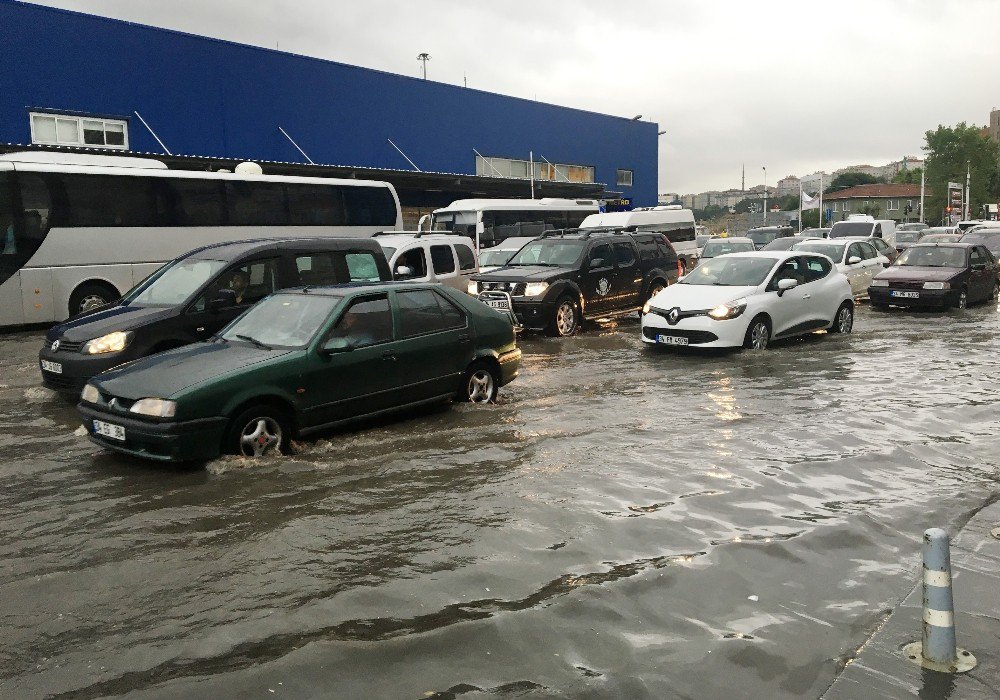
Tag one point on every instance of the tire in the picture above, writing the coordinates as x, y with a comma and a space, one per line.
963, 299
565, 318
996, 291
480, 384
843, 321
91, 295
655, 287
758, 334
257, 431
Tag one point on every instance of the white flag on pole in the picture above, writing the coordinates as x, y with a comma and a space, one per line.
809, 202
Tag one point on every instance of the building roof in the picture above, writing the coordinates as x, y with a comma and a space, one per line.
875, 191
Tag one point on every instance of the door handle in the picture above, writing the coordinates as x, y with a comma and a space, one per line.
464, 337
807, 296
387, 355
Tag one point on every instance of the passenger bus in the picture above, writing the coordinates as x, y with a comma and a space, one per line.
77, 231
490, 221
672, 220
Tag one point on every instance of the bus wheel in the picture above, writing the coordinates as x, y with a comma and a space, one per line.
89, 296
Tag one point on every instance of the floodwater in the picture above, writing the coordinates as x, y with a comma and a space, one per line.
623, 523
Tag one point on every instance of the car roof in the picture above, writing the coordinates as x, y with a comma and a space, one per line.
397, 238
738, 239
232, 250
361, 287
771, 254
946, 244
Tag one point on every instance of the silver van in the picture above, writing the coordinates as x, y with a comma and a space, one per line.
430, 257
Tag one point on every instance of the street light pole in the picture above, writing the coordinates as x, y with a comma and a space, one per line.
765, 195
424, 58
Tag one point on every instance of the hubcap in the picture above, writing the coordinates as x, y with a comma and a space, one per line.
565, 318
996, 291
758, 336
963, 300
480, 386
845, 320
259, 436
92, 302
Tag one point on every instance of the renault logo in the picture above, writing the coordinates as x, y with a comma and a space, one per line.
55, 346
674, 316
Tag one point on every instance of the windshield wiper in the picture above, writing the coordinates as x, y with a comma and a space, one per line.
253, 341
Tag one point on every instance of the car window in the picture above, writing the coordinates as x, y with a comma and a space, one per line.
415, 260
854, 251
880, 245
601, 253
816, 268
466, 258
423, 311
624, 254
443, 259
877, 231
287, 320
367, 321
361, 267
250, 282
316, 269
977, 257
793, 269
868, 251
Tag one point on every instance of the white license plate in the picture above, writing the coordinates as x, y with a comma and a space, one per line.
499, 304
54, 367
671, 340
905, 295
110, 430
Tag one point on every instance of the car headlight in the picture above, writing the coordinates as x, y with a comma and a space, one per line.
473, 288
937, 285
158, 408
645, 308
730, 310
90, 394
112, 342
534, 289
880, 283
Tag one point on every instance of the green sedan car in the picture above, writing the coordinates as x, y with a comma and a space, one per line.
298, 362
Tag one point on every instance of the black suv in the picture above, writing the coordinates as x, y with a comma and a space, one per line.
567, 276
194, 296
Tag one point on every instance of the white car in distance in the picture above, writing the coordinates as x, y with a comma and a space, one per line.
858, 260
748, 300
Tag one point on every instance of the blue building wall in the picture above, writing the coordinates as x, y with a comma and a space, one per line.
210, 97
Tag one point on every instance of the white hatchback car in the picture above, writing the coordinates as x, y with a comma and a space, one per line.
748, 299
858, 260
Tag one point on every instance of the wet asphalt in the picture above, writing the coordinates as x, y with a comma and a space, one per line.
622, 523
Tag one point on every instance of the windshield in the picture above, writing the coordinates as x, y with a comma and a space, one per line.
495, 258
700, 241
284, 320
931, 256
911, 227
459, 222
842, 229
763, 237
939, 238
722, 246
990, 239
175, 283
388, 252
555, 252
834, 251
907, 236
731, 272
22, 227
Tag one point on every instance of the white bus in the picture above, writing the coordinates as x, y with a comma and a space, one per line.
672, 220
79, 230
490, 221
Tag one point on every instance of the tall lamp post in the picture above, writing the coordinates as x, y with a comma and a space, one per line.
764, 168
424, 58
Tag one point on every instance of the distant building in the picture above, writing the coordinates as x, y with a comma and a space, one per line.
881, 201
668, 198
811, 183
886, 172
994, 128
787, 185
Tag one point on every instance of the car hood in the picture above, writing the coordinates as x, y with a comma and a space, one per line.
106, 320
697, 297
165, 374
521, 274
925, 274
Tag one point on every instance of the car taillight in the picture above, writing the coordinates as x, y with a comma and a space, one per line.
680, 268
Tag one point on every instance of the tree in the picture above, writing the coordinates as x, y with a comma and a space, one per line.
949, 151
852, 179
873, 210
712, 211
810, 218
910, 176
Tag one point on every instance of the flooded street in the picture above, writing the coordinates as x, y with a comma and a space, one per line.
623, 523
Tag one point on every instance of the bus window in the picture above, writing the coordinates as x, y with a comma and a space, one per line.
256, 204
461, 223
21, 232
316, 205
191, 201
369, 206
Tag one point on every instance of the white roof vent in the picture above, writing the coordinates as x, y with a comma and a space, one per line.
249, 168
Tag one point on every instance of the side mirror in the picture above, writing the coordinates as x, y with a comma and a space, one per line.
224, 298
786, 284
853, 260
596, 263
336, 345
404, 271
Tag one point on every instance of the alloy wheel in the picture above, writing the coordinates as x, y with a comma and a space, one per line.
759, 335
845, 319
996, 292
963, 300
259, 436
480, 386
566, 318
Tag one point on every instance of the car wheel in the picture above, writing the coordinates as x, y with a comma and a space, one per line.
258, 431
996, 292
843, 322
758, 334
480, 384
963, 300
654, 289
89, 296
565, 320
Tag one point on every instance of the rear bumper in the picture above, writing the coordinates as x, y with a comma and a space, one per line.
928, 297
168, 441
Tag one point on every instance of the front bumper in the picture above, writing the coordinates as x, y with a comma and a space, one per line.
510, 365
163, 441
77, 368
700, 331
928, 298
536, 315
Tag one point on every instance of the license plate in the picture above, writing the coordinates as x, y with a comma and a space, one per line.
109, 430
54, 367
499, 304
671, 340
905, 295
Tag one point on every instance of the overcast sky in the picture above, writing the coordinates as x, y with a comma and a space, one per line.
790, 85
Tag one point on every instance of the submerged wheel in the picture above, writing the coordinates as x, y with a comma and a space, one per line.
843, 322
565, 320
758, 334
480, 384
963, 300
996, 292
91, 295
258, 431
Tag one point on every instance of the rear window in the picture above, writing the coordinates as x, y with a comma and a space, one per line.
423, 311
442, 259
990, 239
466, 258
842, 229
